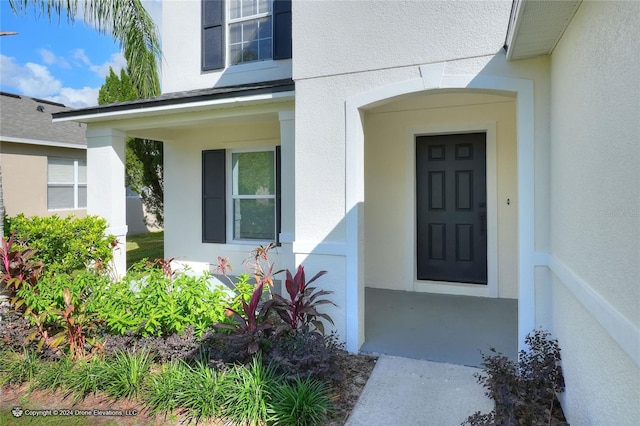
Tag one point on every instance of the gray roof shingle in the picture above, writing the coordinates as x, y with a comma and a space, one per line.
23, 117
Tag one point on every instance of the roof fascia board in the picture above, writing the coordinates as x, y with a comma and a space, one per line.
516, 12
42, 143
138, 110
181, 118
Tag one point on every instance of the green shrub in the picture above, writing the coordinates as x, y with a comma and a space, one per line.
151, 303
64, 244
248, 392
54, 374
63, 309
48, 293
160, 395
303, 402
87, 377
17, 368
201, 392
127, 371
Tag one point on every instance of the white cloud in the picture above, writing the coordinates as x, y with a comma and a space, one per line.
50, 58
36, 80
77, 98
116, 61
79, 55
30, 79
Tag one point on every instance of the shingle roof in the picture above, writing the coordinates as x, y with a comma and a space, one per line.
25, 118
176, 98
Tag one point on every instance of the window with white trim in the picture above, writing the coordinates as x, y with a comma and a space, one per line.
66, 184
250, 31
253, 195
241, 31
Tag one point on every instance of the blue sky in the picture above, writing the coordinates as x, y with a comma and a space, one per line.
57, 61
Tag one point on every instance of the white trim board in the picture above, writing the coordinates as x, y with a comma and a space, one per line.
10, 139
413, 284
623, 331
180, 108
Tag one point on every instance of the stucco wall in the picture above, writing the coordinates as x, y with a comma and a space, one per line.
181, 45
183, 191
595, 207
24, 178
372, 46
387, 191
338, 37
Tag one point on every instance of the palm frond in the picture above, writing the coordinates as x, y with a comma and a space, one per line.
126, 21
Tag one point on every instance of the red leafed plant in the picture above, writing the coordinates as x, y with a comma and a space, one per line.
253, 318
301, 310
74, 323
17, 266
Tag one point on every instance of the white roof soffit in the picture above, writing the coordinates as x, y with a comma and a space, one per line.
181, 108
536, 26
11, 139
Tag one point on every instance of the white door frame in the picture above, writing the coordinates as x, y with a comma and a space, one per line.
413, 284
433, 78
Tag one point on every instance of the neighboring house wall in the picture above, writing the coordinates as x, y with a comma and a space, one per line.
28, 142
593, 302
24, 178
139, 220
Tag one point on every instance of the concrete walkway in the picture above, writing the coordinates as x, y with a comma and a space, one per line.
410, 392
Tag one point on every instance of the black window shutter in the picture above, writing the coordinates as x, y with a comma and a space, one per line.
278, 195
281, 29
214, 211
213, 30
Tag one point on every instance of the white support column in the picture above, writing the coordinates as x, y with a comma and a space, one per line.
106, 188
287, 173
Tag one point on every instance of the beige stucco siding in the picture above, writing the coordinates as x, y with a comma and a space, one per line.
24, 178
595, 209
389, 238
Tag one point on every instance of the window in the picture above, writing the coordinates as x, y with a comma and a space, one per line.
66, 184
250, 31
253, 195
240, 195
240, 31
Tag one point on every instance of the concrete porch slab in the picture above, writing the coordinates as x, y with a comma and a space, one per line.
438, 327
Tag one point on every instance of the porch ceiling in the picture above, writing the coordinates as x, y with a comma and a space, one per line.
536, 26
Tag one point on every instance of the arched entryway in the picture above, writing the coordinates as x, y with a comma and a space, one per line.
414, 106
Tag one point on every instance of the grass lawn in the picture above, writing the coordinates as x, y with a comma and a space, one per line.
149, 245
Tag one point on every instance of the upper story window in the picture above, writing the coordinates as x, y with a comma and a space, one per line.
250, 31
240, 31
66, 184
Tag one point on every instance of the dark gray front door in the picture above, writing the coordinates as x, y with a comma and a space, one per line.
451, 199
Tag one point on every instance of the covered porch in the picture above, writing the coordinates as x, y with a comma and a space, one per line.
439, 327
